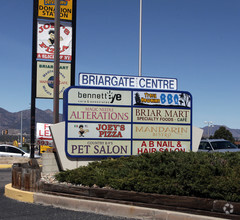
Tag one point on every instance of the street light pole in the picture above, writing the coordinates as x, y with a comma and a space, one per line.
140, 42
21, 131
210, 124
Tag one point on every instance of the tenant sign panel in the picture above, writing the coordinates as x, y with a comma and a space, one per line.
46, 9
46, 38
45, 78
117, 122
43, 135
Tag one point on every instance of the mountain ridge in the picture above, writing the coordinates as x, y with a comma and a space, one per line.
11, 121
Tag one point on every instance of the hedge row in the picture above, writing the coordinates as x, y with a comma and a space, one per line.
206, 175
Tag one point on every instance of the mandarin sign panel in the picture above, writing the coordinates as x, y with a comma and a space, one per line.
46, 9
121, 122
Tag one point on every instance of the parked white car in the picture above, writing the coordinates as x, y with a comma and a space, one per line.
12, 151
217, 145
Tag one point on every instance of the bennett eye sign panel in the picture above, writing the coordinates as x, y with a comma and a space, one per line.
120, 122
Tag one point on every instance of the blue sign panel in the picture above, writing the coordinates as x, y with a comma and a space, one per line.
117, 122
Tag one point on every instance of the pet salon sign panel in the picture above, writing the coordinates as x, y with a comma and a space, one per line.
121, 122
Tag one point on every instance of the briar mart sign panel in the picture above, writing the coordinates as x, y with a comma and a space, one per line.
123, 122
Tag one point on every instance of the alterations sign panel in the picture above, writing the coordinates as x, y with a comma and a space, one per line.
122, 122
45, 79
46, 9
46, 38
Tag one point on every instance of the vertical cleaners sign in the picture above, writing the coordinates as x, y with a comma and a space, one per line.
117, 122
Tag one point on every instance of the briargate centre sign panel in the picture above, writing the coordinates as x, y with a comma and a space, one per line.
117, 122
131, 82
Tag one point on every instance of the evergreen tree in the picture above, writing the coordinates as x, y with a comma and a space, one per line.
222, 132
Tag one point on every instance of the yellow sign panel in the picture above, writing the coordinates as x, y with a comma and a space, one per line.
44, 149
151, 131
15, 143
46, 9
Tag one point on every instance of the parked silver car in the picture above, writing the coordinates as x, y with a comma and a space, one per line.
217, 145
12, 151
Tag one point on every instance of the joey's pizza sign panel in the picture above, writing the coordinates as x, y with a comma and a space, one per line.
46, 38
117, 122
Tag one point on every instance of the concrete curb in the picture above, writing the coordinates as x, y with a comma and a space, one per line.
22, 196
113, 209
98, 207
5, 166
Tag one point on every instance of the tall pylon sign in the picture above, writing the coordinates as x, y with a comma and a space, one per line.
43, 51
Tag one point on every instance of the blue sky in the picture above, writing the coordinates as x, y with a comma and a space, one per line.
195, 41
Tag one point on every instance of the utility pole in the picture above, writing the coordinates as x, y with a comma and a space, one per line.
33, 88
56, 74
56, 62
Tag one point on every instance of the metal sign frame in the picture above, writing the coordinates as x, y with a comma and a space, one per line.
83, 106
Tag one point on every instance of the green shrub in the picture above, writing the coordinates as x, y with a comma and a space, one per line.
206, 175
